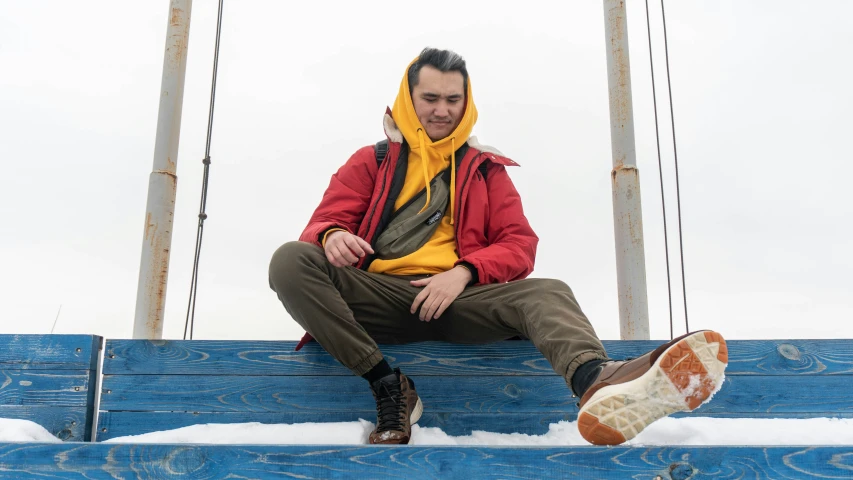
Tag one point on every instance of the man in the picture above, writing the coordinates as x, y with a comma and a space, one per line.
423, 237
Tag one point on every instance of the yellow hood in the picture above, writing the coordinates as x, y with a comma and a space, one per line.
420, 145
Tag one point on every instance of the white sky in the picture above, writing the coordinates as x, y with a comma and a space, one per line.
762, 116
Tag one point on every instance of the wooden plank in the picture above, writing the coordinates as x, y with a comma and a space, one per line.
65, 423
109, 461
293, 394
746, 357
40, 372
44, 387
119, 424
49, 352
494, 394
279, 358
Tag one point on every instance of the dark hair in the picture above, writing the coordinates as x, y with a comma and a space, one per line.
443, 61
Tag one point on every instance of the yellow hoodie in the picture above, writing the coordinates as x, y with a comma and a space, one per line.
426, 160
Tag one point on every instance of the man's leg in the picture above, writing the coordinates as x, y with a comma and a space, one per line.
543, 310
618, 398
346, 310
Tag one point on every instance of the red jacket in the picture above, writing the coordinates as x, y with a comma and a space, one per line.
492, 233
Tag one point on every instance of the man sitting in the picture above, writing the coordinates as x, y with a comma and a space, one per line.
422, 237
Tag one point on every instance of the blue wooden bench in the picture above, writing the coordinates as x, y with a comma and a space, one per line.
504, 387
50, 380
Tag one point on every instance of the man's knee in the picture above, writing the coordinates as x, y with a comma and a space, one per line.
551, 286
289, 262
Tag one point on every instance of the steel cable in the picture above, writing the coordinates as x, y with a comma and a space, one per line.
675, 155
202, 215
660, 172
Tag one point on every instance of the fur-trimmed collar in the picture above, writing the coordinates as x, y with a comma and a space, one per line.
475, 143
395, 135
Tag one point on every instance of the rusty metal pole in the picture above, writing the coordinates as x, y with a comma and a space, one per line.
162, 183
627, 209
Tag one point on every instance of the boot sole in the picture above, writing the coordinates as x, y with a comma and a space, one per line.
684, 377
417, 412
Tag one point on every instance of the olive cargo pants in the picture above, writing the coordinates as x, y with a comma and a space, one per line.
348, 311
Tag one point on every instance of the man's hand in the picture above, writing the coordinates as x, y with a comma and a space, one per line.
439, 292
343, 248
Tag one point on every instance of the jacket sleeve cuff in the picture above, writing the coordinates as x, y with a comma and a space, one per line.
326, 235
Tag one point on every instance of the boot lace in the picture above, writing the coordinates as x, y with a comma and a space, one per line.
390, 405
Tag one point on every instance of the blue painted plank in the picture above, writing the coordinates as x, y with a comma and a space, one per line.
65, 423
495, 394
44, 387
50, 352
108, 461
293, 394
38, 372
120, 424
279, 358
746, 357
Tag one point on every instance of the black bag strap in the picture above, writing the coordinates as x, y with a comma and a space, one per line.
381, 149
482, 169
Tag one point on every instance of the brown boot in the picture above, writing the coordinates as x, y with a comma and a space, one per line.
398, 407
627, 396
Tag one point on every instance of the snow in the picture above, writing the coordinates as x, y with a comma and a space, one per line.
668, 431
13, 430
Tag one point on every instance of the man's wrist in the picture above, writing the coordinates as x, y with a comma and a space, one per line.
466, 272
472, 278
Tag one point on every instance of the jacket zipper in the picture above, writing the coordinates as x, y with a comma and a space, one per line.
459, 211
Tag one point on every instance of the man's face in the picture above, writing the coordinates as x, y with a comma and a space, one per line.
439, 101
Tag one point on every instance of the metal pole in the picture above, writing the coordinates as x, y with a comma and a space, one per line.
162, 183
627, 209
